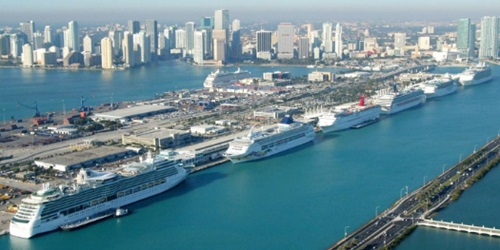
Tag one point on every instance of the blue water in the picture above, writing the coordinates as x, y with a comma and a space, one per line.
54, 89
305, 198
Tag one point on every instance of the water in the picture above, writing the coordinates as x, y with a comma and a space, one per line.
54, 89
305, 198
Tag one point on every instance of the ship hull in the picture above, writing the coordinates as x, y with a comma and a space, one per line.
471, 81
35, 226
398, 107
337, 124
441, 91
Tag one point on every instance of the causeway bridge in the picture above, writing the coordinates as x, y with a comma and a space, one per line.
460, 227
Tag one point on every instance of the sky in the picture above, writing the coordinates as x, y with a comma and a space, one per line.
102, 11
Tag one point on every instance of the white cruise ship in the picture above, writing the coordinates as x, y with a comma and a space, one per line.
475, 75
223, 78
93, 193
277, 138
439, 87
344, 118
395, 101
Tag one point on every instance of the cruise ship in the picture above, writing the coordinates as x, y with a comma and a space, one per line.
259, 144
395, 101
439, 87
94, 192
475, 75
344, 118
223, 78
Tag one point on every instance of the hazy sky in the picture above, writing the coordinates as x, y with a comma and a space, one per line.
88, 11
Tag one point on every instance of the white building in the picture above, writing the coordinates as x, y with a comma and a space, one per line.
107, 53
221, 19
327, 37
88, 44
207, 129
424, 43
27, 56
338, 41
199, 50
285, 40
73, 36
489, 37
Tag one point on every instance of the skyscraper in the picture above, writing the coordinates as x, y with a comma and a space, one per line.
399, 43
4, 45
73, 36
489, 37
327, 37
220, 37
48, 34
198, 50
107, 53
235, 25
88, 44
143, 43
303, 48
235, 45
339, 46
264, 44
180, 39
466, 37
189, 37
152, 31
206, 23
16, 43
133, 26
128, 49
28, 28
116, 37
285, 40
27, 57
221, 19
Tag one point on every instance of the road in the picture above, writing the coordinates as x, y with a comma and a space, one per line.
405, 213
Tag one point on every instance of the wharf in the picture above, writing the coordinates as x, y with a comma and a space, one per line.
391, 226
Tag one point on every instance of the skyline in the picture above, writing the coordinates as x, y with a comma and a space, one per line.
258, 10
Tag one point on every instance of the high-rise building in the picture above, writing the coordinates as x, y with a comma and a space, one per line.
327, 37
169, 33
466, 37
206, 23
285, 40
489, 37
424, 43
339, 46
180, 39
28, 28
303, 48
37, 40
116, 37
106, 53
27, 57
73, 36
189, 37
143, 43
370, 44
399, 43
221, 37
221, 19
133, 26
198, 50
235, 45
88, 44
235, 25
4, 45
128, 49
264, 45
152, 31
48, 34
16, 43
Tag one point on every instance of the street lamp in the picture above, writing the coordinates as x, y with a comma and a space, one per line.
443, 167
424, 180
406, 190
376, 211
401, 192
475, 148
345, 231
460, 158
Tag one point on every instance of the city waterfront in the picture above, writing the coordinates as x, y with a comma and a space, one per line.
308, 197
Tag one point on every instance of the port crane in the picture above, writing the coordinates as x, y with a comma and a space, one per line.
34, 107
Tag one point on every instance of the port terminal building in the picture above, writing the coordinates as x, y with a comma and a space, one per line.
274, 112
85, 158
126, 114
160, 139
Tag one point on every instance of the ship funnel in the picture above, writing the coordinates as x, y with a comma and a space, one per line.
395, 88
362, 101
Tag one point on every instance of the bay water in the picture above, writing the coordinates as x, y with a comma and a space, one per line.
305, 198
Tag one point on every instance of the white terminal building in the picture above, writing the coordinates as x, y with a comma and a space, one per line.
126, 114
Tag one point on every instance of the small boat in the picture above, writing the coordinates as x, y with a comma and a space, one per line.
121, 212
366, 123
86, 221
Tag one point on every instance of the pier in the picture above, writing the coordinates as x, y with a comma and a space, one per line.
411, 210
460, 227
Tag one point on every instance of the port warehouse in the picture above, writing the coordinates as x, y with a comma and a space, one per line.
160, 138
133, 112
85, 158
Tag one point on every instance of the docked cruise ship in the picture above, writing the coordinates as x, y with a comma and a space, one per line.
395, 101
475, 75
280, 137
439, 87
94, 192
347, 117
223, 78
